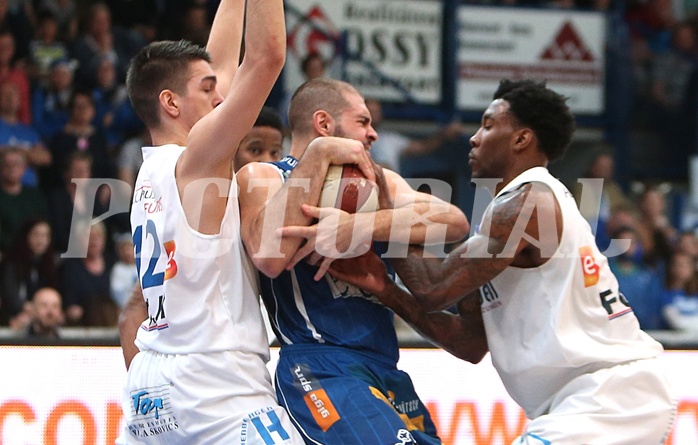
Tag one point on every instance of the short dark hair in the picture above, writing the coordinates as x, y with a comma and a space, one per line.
159, 66
268, 117
535, 105
322, 93
305, 63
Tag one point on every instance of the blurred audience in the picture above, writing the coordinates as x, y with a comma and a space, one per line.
680, 294
85, 284
30, 265
14, 133
18, 203
51, 103
46, 315
10, 72
391, 146
124, 274
79, 134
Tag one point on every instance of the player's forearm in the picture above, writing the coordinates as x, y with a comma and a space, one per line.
265, 36
130, 319
444, 329
411, 225
225, 40
270, 252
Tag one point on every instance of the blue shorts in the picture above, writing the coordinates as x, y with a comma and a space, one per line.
339, 396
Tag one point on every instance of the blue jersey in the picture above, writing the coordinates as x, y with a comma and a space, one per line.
329, 311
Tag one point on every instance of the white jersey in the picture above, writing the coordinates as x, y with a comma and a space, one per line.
199, 288
550, 324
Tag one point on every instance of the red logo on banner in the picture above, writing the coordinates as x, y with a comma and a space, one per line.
313, 33
567, 46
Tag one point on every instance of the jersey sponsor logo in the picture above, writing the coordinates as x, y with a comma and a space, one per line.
145, 195
615, 305
340, 289
589, 266
489, 298
266, 424
156, 319
317, 400
151, 412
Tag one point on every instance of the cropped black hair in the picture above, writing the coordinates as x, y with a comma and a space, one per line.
536, 106
268, 117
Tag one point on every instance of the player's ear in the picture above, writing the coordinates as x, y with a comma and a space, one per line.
169, 102
323, 124
523, 138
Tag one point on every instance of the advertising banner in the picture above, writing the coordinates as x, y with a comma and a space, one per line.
72, 395
563, 47
391, 50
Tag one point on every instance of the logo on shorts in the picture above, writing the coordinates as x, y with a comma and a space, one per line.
151, 412
267, 426
404, 437
317, 400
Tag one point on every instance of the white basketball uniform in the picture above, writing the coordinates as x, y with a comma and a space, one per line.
201, 375
567, 345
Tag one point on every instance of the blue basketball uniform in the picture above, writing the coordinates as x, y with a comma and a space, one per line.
337, 372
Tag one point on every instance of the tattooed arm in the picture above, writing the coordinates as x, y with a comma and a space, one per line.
521, 229
462, 334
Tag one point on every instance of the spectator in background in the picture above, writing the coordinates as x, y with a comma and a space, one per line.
672, 99
63, 200
65, 13
29, 266
10, 73
14, 133
655, 228
18, 203
98, 40
680, 293
392, 146
612, 196
640, 283
79, 134
50, 103
85, 284
124, 274
113, 111
195, 24
46, 313
45, 49
312, 67
16, 17
130, 157
687, 242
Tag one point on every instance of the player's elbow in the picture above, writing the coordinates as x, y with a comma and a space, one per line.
429, 295
472, 352
458, 225
270, 267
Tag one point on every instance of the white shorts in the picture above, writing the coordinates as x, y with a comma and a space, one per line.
217, 398
626, 404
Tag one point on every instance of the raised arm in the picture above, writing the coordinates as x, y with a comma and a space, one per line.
226, 31
267, 202
214, 139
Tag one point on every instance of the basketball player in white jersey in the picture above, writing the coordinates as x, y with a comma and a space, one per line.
534, 291
200, 376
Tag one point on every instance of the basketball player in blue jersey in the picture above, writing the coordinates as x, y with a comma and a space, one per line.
200, 375
533, 289
337, 373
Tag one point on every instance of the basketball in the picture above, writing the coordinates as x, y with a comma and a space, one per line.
347, 188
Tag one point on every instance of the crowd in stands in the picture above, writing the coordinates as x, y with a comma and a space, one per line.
65, 115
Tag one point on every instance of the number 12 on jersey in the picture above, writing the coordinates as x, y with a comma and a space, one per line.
152, 278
